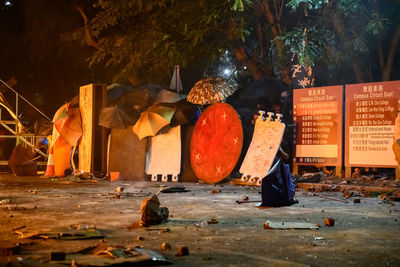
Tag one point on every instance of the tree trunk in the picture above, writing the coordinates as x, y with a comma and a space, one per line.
278, 44
263, 53
380, 49
391, 54
249, 62
88, 36
340, 30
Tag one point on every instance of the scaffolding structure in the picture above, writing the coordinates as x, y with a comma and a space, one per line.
14, 126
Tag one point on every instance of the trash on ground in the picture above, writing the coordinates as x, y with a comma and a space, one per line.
114, 176
275, 225
248, 201
212, 221
19, 227
174, 189
5, 201
162, 230
394, 198
329, 221
201, 224
105, 255
90, 233
182, 251
122, 195
119, 189
310, 178
151, 212
165, 246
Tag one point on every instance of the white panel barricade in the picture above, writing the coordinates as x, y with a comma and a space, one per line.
164, 155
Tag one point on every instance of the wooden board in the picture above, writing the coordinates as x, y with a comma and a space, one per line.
164, 155
92, 146
264, 145
216, 143
187, 173
127, 155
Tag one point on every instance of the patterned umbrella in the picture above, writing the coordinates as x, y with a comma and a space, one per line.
210, 90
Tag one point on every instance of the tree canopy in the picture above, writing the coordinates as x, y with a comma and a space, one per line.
64, 44
343, 40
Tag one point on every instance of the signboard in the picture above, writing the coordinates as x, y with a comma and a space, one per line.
318, 116
370, 115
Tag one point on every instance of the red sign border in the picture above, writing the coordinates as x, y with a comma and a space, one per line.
347, 125
340, 88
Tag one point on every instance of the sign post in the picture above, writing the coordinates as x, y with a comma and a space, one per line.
318, 117
370, 116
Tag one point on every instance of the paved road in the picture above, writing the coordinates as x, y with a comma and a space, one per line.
364, 234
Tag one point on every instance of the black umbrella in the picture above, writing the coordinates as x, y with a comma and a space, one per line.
153, 89
22, 161
115, 117
165, 96
185, 113
136, 99
115, 91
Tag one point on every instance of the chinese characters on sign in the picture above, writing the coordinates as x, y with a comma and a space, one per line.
318, 116
370, 115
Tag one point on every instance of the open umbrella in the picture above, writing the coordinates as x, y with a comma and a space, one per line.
67, 123
22, 161
165, 96
72, 129
135, 99
59, 119
115, 91
185, 113
115, 117
153, 119
210, 90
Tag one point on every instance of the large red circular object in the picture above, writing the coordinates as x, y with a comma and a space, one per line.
216, 143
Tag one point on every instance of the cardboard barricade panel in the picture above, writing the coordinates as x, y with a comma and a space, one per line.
264, 145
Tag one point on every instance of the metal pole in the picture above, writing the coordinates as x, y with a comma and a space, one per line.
23, 98
16, 114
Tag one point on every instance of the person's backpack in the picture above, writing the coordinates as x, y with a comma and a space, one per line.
278, 187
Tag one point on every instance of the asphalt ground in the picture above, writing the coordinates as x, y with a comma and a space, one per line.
364, 234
